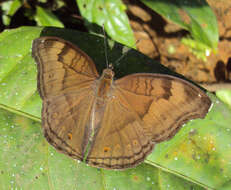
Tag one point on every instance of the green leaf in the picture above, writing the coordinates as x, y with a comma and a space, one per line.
45, 17
195, 16
9, 8
110, 13
16, 64
224, 95
200, 50
199, 153
201, 149
28, 162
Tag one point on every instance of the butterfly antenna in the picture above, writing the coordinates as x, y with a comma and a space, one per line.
105, 47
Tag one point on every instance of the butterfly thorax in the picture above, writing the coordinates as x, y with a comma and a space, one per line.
105, 83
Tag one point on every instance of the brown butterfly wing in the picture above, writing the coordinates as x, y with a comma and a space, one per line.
61, 65
144, 109
66, 82
164, 103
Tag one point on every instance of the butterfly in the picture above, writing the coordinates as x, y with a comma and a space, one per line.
108, 123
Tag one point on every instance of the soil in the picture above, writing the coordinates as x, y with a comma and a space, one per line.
155, 35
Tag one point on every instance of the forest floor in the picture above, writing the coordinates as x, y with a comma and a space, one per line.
156, 36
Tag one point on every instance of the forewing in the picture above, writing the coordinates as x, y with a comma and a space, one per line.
62, 66
164, 103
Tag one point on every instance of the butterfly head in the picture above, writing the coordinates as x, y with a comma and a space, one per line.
108, 74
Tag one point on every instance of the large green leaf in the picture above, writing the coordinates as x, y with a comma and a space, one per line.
112, 14
28, 162
198, 153
202, 150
